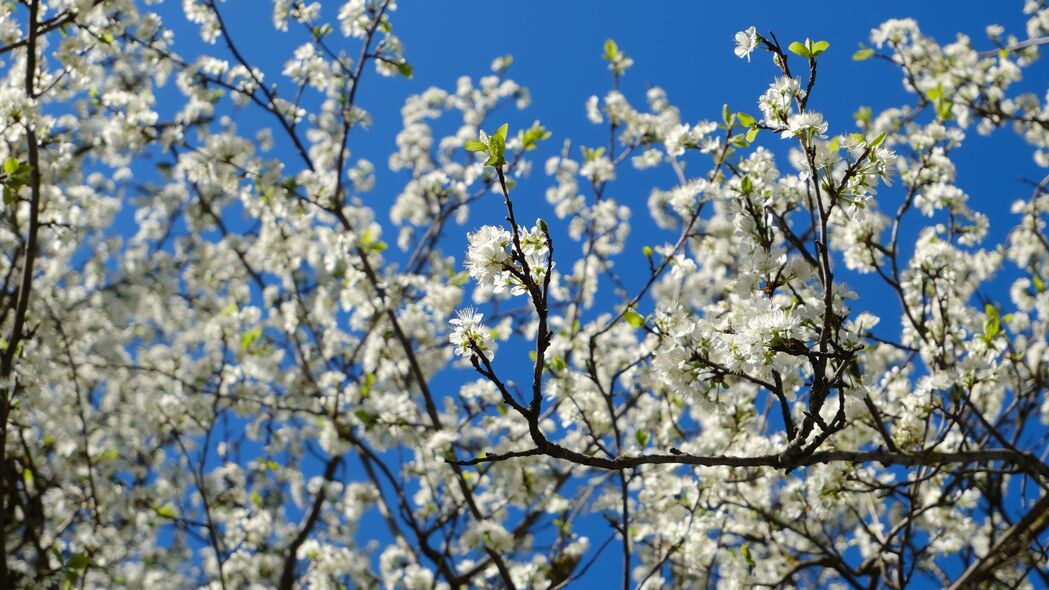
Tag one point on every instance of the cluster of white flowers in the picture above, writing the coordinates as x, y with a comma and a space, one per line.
777, 102
469, 336
490, 261
684, 136
229, 390
805, 126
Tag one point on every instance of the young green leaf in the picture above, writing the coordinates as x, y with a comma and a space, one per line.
863, 54
366, 418
943, 109
633, 318
501, 132
738, 141
799, 48
992, 326
531, 137
745, 550
641, 437
746, 185
78, 562
249, 337
819, 47
745, 119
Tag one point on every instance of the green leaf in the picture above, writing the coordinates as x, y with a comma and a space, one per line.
108, 455
863, 115
819, 47
165, 511
591, 154
366, 417
11, 165
533, 135
1039, 284
726, 115
798, 48
992, 326
249, 337
459, 279
78, 562
9, 196
943, 109
647, 251
366, 385
752, 133
641, 437
863, 54
877, 141
405, 69
107, 38
497, 147
745, 550
746, 120
505, 61
472, 145
746, 185
633, 318
501, 131
559, 363
738, 141
611, 50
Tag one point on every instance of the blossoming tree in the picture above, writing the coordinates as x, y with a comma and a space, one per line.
249, 388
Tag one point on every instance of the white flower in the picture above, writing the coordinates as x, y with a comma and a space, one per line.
352, 19
805, 125
487, 253
775, 104
469, 335
593, 110
746, 41
599, 169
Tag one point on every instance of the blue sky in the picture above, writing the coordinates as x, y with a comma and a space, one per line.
684, 47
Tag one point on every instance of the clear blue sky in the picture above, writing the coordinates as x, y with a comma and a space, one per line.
684, 47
